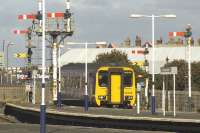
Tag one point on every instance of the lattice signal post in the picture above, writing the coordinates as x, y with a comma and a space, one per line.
59, 27
35, 28
28, 33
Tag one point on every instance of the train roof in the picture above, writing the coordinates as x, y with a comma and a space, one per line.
125, 68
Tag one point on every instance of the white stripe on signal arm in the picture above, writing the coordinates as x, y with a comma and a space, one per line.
24, 16
174, 33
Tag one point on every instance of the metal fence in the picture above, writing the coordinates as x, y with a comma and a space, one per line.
48, 92
18, 93
182, 104
12, 93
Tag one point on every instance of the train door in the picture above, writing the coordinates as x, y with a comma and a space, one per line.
115, 88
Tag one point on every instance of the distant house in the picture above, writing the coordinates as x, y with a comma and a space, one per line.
112, 45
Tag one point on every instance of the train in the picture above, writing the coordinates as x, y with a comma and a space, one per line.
107, 86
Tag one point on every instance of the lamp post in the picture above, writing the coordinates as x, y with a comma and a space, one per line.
3, 49
3, 62
146, 64
135, 16
7, 61
86, 68
9, 44
86, 78
43, 106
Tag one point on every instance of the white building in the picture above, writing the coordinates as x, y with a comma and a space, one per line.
134, 55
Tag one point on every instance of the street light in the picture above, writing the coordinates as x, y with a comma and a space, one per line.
9, 44
7, 61
136, 16
42, 105
3, 62
86, 68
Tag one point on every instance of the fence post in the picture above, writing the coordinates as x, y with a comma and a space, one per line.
163, 96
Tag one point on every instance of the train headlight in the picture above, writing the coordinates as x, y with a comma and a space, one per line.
129, 97
102, 97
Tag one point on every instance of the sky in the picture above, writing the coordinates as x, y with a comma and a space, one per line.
103, 20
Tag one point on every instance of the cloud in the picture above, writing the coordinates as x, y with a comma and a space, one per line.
176, 5
106, 20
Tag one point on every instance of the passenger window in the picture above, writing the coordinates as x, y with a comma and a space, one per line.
103, 78
128, 79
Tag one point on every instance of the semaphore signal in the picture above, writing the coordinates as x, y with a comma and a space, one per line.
59, 27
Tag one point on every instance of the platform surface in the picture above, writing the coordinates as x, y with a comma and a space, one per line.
116, 113
34, 128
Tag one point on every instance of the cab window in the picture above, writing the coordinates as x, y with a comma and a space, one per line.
128, 79
103, 78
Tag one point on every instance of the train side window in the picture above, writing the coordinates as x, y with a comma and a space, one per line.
103, 78
128, 77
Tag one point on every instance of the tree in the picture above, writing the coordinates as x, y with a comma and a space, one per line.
115, 58
195, 75
182, 73
182, 76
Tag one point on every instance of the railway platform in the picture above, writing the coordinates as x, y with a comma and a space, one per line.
107, 117
113, 112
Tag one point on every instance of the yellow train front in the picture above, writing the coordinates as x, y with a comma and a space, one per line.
115, 86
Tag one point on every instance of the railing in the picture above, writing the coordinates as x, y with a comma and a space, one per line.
181, 101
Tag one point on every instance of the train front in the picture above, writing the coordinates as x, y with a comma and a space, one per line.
115, 86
